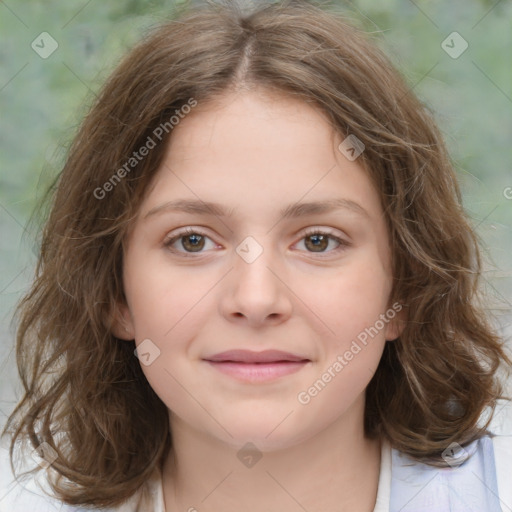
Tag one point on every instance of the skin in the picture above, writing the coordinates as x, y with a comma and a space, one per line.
258, 152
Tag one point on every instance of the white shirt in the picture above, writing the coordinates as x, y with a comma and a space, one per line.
482, 483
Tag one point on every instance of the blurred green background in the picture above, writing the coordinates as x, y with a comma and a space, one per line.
43, 100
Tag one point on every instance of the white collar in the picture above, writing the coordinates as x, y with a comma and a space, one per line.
384, 486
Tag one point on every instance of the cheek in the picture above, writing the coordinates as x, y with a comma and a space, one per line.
352, 349
158, 295
340, 387
351, 300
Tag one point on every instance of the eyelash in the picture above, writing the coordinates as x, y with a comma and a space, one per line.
343, 244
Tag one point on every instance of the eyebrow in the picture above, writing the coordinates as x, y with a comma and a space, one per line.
295, 210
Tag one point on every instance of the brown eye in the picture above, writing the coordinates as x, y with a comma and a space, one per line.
193, 242
318, 243
189, 241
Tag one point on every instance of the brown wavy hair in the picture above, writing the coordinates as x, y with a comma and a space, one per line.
84, 391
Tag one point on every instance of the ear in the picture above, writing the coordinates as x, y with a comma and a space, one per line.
121, 323
397, 315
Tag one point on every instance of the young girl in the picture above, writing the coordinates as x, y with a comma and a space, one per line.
258, 289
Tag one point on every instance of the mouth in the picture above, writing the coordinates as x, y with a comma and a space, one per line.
251, 366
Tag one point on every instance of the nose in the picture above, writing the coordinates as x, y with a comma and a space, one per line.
256, 292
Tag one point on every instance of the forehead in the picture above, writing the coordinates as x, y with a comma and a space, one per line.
253, 119
254, 151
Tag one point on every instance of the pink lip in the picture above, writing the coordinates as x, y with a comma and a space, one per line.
257, 366
248, 356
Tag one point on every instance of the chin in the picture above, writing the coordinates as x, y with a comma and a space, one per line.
267, 434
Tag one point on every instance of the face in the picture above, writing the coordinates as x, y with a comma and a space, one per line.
259, 272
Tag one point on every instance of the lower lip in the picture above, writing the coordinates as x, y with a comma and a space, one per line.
258, 372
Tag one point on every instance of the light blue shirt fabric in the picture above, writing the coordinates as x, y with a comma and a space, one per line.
469, 487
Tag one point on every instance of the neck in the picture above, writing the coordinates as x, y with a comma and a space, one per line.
336, 470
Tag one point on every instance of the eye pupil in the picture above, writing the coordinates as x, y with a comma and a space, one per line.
319, 242
193, 241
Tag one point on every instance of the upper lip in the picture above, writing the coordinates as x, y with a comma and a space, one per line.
248, 356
